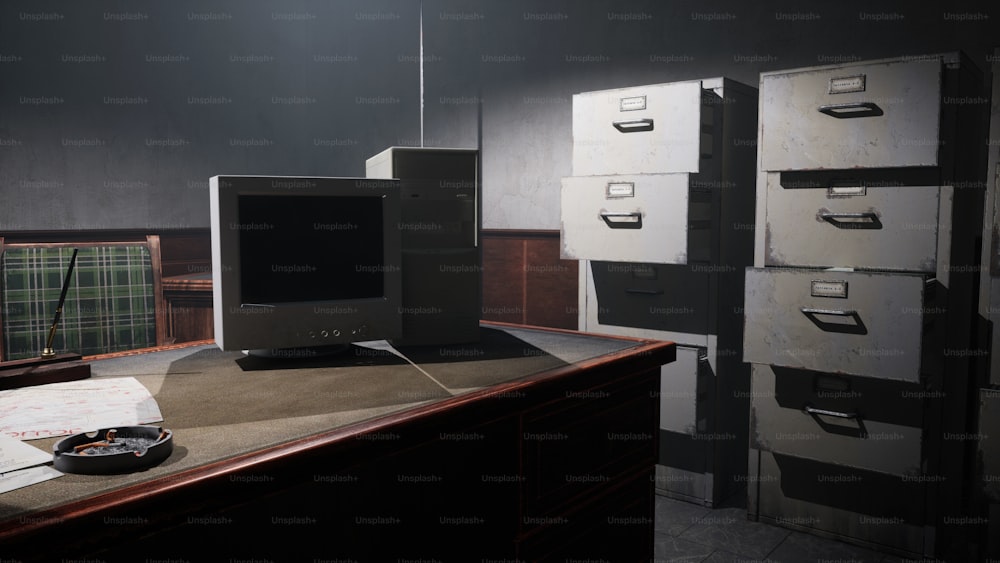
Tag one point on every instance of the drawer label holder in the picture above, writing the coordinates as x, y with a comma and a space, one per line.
620, 189
847, 84
632, 103
826, 288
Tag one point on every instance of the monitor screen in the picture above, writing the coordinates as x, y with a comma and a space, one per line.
310, 248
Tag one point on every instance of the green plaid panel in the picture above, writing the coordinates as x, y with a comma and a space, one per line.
110, 304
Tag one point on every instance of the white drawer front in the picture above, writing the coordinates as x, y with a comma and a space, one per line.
854, 323
638, 130
852, 116
632, 218
883, 227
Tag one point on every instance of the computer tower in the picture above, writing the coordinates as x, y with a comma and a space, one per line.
441, 256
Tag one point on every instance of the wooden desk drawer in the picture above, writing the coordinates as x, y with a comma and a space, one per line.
585, 444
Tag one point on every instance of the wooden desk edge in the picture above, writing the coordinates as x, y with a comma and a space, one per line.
646, 355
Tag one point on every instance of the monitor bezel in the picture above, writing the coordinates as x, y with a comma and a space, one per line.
300, 324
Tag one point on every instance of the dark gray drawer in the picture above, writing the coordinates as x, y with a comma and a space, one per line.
850, 322
858, 422
884, 511
686, 388
663, 297
989, 441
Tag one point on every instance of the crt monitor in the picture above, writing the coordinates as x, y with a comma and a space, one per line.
304, 264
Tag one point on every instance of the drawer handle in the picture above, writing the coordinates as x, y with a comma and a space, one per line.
866, 220
622, 219
859, 432
857, 328
850, 110
634, 125
814, 411
634, 291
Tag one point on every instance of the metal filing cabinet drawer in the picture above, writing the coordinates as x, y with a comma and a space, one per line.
635, 218
989, 442
879, 510
639, 130
663, 297
856, 323
876, 115
872, 424
883, 227
684, 391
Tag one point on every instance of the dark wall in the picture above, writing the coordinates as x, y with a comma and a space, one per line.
114, 114
531, 56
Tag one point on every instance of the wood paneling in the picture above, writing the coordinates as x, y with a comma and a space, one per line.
186, 252
525, 281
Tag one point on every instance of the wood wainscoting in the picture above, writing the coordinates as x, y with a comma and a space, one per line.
525, 281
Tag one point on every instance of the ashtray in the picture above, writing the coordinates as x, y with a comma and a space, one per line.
122, 449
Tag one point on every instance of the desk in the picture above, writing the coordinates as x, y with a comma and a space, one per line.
533, 445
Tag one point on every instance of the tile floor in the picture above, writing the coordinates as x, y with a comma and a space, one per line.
696, 534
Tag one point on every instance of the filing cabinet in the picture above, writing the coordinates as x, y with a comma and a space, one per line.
659, 210
861, 299
988, 434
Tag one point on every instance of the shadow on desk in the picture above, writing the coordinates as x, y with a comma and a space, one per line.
212, 388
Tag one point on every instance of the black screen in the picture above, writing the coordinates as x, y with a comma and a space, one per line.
310, 248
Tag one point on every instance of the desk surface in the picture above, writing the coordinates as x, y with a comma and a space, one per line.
229, 411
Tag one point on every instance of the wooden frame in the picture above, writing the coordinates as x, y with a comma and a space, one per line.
151, 242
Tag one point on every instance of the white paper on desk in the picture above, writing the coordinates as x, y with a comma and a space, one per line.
24, 477
15, 454
71, 407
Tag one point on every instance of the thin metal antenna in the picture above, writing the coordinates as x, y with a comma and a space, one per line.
421, 74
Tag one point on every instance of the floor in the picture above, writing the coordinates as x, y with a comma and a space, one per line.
696, 534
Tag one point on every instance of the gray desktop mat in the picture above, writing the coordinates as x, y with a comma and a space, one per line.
502, 355
217, 409
212, 388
